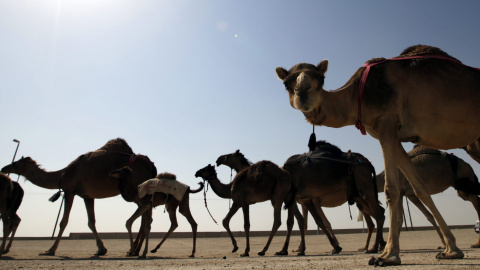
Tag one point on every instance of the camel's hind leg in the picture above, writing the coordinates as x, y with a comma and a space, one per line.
7, 228
135, 246
475, 200
370, 227
90, 206
277, 208
428, 215
305, 226
172, 214
147, 228
293, 211
226, 223
15, 222
246, 227
333, 240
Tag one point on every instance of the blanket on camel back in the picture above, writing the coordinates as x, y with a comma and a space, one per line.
167, 186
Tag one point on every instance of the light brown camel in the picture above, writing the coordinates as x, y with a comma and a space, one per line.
130, 191
328, 177
87, 177
324, 189
439, 171
258, 183
11, 196
431, 101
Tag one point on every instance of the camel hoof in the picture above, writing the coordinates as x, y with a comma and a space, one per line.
475, 246
281, 253
47, 253
453, 255
336, 250
101, 251
383, 262
362, 249
244, 255
153, 251
142, 257
5, 251
301, 254
297, 250
371, 251
261, 253
235, 248
191, 256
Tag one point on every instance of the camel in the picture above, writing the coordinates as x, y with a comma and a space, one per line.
128, 190
424, 96
88, 177
258, 183
439, 171
238, 162
11, 196
328, 177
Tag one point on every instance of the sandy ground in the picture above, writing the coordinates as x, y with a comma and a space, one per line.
418, 252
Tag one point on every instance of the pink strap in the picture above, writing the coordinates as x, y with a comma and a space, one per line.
363, 81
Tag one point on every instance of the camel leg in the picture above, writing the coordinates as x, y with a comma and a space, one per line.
326, 222
133, 245
148, 227
428, 215
277, 222
7, 225
370, 227
15, 222
369, 209
226, 224
452, 251
63, 224
293, 211
185, 211
246, 227
90, 206
172, 213
333, 240
305, 226
475, 200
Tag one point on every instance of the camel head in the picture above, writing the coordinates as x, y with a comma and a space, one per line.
20, 166
233, 160
304, 83
122, 173
207, 172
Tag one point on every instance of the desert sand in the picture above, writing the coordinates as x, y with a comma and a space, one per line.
418, 252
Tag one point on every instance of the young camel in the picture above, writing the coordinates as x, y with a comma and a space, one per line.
87, 177
260, 182
146, 203
11, 196
328, 195
438, 171
431, 101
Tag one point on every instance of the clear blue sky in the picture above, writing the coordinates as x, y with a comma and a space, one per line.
186, 81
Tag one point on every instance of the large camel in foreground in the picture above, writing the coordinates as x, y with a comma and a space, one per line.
88, 177
11, 196
322, 183
130, 192
260, 182
431, 101
439, 171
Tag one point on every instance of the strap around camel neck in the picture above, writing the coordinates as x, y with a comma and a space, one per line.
363, 81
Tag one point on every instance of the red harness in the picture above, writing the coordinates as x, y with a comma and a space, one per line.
363, 80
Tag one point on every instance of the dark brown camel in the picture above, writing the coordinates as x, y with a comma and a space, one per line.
260, 182
424, 96
438, 171
328, 177
146, 203
88, 177
11, 195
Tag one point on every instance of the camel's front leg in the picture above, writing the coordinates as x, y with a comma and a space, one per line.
63, 224
148, 227
277, 208
305, 226
408, 169
246, 227
226, 224
315, 214
15, 222
7, 225
134, 246
90, 206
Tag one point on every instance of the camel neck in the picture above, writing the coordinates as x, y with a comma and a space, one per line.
222, 190
43, 179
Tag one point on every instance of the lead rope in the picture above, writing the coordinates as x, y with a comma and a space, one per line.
205, 199
313, 140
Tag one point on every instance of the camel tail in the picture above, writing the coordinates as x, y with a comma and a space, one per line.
290, 199
374, 180
198, 189
467, 186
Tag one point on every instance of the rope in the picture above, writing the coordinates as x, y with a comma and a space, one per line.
206, 206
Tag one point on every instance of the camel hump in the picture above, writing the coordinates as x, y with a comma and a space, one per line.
166, 175
117, 144
424, 50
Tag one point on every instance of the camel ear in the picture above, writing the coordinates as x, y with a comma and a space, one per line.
238, 151
323, 66
281, 73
